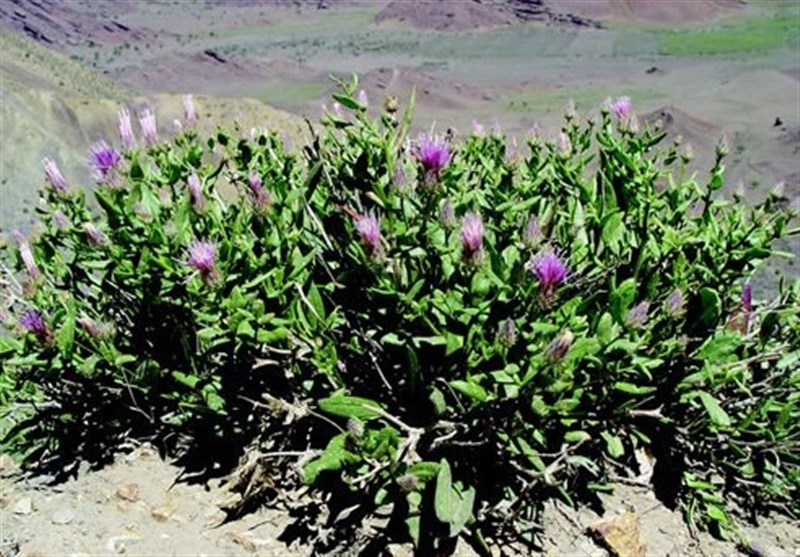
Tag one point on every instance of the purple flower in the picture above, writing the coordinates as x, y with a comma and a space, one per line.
95, 236
532, 235
369, 229
363, 100
447, 215
507, 333
189, 112
202, 257
637, 315
549, 270
408, 482
259, 195
337, 110
61, 220
196, 192
472, 237
432, 153
104, 160
26, 255
92, 328
747, 299
177, 127
478, 129
558, 347
147, 121
621, 107
675, 303
33, 322
125, 129
54, 176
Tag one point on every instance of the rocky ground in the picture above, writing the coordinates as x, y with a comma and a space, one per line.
136, 507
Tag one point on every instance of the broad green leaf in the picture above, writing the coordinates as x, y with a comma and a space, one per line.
614, 445
716, 413
350, 406
633, 389
333, 458
621, 299
472, 390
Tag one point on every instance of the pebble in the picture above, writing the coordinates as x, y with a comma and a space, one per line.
23, 506
7, 465
129, 492
63, 516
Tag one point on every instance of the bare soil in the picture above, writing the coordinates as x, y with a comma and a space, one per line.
137, 506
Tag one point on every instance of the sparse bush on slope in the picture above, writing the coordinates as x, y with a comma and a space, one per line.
444, 332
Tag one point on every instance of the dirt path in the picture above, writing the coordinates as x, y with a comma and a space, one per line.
134, 507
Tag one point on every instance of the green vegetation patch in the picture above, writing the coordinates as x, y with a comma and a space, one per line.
750, 36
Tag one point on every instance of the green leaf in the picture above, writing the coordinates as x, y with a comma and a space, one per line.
452, 505
425, 471
613, 231
632, 389
614, 445
712, 306
346, 101
718, 348
472, 390
716, 413
333, 458
621, 299
606, 330
350, 407
245, 330
66, 333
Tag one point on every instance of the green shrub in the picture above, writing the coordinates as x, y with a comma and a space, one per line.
446, 332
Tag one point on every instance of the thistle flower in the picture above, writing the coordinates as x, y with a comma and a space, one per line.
363, 100
472, 237
570, 113
447, 215
747, 301
558, 347
61, 220
177, 126
740, 318
104, 160
355, 427
189, 112
196, 192
147, 121
721, 149
259, 195
478, 129
620, 107
337, 109
26, 254
532, 235
687, 153
202, 258
33, 322
125, 129
507, 333
637, 315
549, 270
432, 153
92, 328
675, 303
369, 228
95, 236
54, 176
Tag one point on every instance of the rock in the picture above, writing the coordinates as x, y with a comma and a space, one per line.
63, 516
128, 492
164, 512
7, 466
23, 506
621, 535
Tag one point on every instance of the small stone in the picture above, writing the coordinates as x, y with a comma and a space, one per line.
129, 492
7, 465
23, 506
164, 512
63, 516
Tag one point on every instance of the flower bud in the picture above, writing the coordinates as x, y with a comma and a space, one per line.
559, 346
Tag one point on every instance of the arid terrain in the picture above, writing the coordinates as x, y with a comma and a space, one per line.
702, 67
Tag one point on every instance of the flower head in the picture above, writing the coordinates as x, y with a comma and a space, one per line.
26, 254
507, 333
675, 303
563, 144
147, 121
432, 153
104, 159
202, 257
447, 215
472, 237
54, 176
363, 99
125, 129
408, 482
259, 195
747, 299
637, 315
189, 112
558, 347
94, 235
369, 228
478, 129
196, 192
549, 270
61, 220
532, 235
621, 107
33, 322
